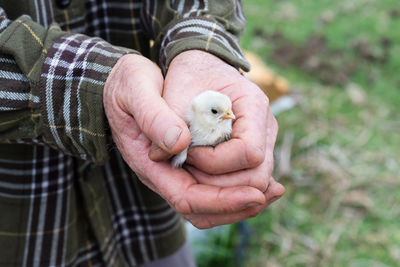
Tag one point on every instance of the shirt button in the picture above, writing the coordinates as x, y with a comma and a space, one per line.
63, 3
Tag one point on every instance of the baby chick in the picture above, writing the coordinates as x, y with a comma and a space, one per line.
210, 122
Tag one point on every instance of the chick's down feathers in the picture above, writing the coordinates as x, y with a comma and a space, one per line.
210, 119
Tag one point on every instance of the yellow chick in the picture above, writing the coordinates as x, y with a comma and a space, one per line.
210, 119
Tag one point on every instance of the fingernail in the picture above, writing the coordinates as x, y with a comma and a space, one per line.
172, 136
253, 204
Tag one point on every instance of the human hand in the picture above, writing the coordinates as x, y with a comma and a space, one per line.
138, 116
247, 158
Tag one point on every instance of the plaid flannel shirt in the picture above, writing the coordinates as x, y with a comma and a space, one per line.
66, 196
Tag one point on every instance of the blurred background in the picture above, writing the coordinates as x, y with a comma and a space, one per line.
337, 151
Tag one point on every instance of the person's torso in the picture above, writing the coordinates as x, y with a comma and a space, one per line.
116, 21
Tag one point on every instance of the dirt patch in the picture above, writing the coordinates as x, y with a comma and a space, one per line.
394, 13
316, 58
373, 53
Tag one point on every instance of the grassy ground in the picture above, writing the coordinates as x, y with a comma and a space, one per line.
342, 204
342, 141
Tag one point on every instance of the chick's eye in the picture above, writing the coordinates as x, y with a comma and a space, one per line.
214, 111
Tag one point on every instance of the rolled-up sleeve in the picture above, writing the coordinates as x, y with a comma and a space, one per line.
51, 87
180, 25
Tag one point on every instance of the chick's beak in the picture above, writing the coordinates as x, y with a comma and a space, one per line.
228, 115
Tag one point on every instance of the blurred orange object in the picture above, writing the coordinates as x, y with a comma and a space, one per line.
273, 85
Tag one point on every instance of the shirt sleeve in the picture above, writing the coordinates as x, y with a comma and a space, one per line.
179, 25
51, 87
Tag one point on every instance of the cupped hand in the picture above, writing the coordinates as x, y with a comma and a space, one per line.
138, 116
247, 158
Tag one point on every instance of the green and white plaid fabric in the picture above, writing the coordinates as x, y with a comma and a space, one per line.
66, 196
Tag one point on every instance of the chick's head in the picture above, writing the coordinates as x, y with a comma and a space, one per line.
211, 109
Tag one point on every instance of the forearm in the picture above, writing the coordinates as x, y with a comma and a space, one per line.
51, 87
212, 26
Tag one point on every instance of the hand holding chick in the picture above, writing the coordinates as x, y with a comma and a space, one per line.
246, 159
220, 185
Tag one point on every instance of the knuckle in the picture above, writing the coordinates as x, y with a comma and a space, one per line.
182, 206
150, 120
255, 156
261, 184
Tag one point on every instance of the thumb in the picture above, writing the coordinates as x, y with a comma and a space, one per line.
151, 113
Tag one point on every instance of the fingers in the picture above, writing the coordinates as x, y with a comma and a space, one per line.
143, 101
186, 196
179, 188
226, 157
208, 199
205, 221
257, 177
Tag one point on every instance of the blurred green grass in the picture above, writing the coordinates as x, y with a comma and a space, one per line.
342, 204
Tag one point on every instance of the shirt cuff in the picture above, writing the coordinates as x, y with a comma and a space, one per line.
4, 21
71, 95
203, 34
